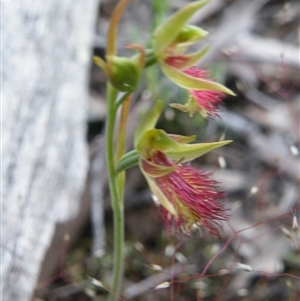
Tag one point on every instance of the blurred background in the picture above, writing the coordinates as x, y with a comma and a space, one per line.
57, 241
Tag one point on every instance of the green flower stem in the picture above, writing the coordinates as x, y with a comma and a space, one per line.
116, 199
121, 143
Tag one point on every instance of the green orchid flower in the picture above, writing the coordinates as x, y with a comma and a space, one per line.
170, 41
160, 157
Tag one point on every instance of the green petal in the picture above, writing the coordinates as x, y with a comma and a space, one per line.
189, 35
189, 152
158, 140
193, 58
148, 122
159, 194
155, 140
102, 64
182, 139
191, 106
194, 83
165, 34
156, 171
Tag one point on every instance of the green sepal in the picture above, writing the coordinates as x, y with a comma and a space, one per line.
102, 64
190, 59
165, 34
149, 121
158, 140
189, 152
182, 139
163, 200
155, 140
193, 83
191, 106
156, 171
128, 160
189, 34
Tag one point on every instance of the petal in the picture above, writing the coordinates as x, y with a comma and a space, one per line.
189, 82
191, 107
102, 64
165, 34
155, 140
140, 58
188, 35
189, 152
182, 139
148, 121
155, 171
183, 61
159, 194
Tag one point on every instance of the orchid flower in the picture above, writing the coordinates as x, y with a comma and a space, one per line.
188, 196
170, 41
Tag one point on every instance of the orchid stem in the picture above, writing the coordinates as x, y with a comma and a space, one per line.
116, 197
121, 143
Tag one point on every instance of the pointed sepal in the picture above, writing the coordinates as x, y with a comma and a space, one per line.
189, 35
193, 83
184, 61
167, 33
158, 140
163, 200
102, 64
149, 121
189, 152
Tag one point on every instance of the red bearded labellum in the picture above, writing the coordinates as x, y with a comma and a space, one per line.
191, 192
208, 100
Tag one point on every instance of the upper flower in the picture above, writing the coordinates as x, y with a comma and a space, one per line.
170, 41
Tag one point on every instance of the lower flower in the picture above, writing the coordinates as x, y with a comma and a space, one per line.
189, 197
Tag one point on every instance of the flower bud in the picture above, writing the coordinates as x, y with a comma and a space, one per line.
124, 73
